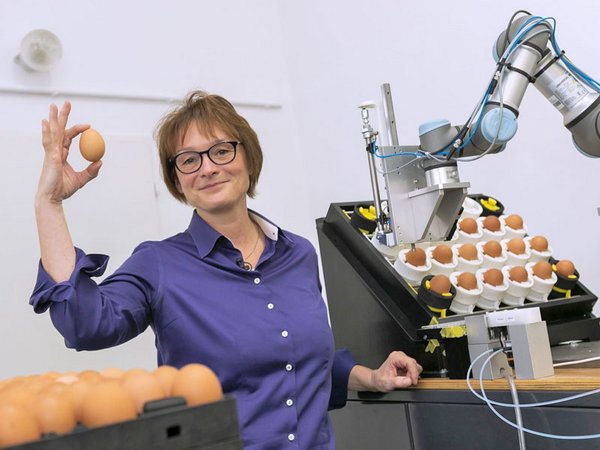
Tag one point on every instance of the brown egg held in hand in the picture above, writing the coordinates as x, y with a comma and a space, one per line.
542, 270
198, 384
442, 254
491, 223
416, 257
468, 252
539, 243
468, 225
516, 246
565, 267
493, 277
467, 280
518, 274
440, 284
492, 248
91, 145
514, 221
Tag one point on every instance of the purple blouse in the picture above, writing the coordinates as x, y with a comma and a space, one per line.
264, 332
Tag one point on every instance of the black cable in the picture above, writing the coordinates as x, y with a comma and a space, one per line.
464, 130
510, 22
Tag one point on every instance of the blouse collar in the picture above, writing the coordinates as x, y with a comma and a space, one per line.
205, 237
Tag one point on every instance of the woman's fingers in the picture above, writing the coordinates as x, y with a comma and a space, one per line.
76, 129
46, 138
63, 116
72, 132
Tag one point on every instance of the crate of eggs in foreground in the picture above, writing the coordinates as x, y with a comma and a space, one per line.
490, 262
55, 409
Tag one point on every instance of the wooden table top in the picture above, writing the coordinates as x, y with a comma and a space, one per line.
564, 379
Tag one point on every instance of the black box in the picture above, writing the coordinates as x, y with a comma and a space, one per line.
213, 426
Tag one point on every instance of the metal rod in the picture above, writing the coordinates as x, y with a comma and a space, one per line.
388, 108
376, 194
119, 97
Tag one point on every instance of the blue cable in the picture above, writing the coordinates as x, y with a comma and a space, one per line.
519, 35
374, 151
585, 78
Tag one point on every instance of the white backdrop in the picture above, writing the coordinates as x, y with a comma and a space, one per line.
318, 60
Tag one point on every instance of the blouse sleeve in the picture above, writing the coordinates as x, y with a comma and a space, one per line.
93, 316
343, 362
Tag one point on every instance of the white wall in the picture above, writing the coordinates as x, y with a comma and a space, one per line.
317, 59
155, 49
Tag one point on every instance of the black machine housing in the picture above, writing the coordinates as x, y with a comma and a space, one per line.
374, 311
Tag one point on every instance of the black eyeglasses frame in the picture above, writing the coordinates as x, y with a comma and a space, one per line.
172, 159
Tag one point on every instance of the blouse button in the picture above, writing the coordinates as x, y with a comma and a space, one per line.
284, 333
256, 280
289, 402
270, 306
291, 437
288, 367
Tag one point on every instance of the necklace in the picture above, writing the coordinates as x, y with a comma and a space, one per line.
245, 264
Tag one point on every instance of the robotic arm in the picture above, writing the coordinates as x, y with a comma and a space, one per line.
424, 191
523, 56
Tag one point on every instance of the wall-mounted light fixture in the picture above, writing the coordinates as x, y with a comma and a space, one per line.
40, 51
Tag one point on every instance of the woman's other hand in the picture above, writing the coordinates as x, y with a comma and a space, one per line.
398, 371
59, 180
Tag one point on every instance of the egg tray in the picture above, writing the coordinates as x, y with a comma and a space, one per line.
165, 425
373, 310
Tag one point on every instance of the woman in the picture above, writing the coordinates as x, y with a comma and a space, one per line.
233, 291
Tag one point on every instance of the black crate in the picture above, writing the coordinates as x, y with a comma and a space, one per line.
374, 311
213, 426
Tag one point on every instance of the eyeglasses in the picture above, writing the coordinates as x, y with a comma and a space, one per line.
190, 161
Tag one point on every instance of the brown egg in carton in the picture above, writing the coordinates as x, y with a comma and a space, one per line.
470, 253
413, 265
494, 256
539, 247
54, 404
513, 226
468, 257
437, 292
567, 277
468, 291
494, 286
491, 228
443, 259
519, 284
517, 251
468, 230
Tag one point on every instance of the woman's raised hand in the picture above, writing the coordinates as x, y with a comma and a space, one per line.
59, 180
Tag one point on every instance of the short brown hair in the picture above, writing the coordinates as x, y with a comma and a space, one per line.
210, 112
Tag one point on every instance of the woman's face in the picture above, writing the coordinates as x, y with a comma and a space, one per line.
213, 188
